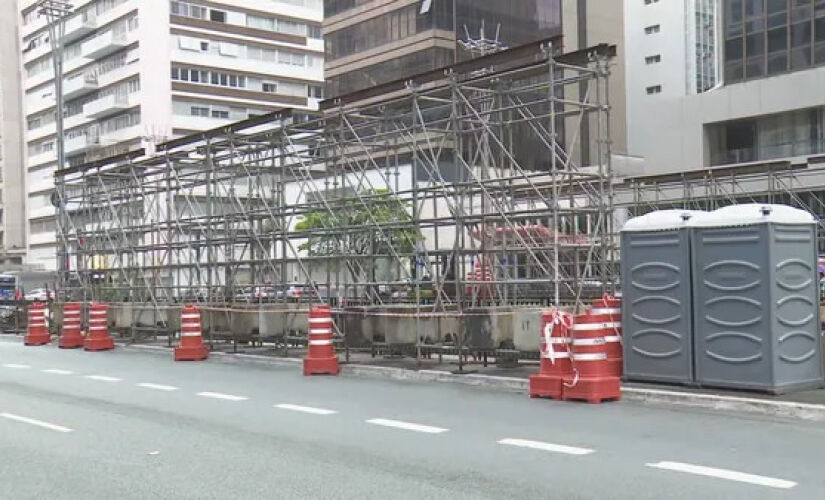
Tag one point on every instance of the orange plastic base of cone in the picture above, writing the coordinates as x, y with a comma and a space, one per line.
616, 367
37, 339
321, 366
545, 386
191, 353
103, 344
593, 390
71, 341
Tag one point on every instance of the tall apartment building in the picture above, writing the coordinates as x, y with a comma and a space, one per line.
139, 72
370, 42
754, 90
12, 213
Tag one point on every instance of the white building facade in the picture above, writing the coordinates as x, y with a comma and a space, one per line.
765, 100
140, 72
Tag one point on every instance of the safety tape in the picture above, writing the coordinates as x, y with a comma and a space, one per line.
608, 311
588, 327
612, 338
320, 342
590, 356
589, 342
559, 340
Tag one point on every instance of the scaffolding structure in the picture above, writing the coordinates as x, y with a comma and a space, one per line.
451, 190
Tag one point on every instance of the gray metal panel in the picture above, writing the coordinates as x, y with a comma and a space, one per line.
731, 296
656, 306
796, 339
756, 307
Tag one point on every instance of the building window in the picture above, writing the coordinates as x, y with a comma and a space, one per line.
217, 16
654, 89
316, 91
653, 59
648, 2
199, 111
649, 30
270, 88
204, 46
216, 113
314, 32
186, 10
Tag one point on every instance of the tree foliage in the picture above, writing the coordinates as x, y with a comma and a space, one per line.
364, 237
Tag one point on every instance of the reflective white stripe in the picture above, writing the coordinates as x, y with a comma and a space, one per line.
190, 325
328, 319
556, 355
590, 356
612, 338
320, 342
71, 313
190, 316
586, 327
589, 342
559, 340
320, 331
98, 328
605, 311
190, 334
37, 323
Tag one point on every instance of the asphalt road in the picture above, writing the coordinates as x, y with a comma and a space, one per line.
125, 424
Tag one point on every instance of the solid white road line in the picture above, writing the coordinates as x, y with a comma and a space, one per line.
102, 378
158, 387
12, 365
58, 372
539, 445
218, 395
305, 409
38, 423
730, 475
398, 424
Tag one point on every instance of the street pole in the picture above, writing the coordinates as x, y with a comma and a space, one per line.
56, 12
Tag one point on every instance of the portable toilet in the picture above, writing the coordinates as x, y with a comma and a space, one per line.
756, 304
656, 297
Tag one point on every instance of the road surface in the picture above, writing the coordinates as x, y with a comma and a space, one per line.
127, 424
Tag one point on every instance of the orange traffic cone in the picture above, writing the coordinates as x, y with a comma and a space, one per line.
72, 337
37, 333
191, 346
320, 358
612, 308
592, 379
555, 356
98, 338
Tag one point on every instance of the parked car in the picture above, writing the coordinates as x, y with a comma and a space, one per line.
298, 291
39, 294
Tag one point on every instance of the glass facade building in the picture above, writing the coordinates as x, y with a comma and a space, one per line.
769, 37
423, 36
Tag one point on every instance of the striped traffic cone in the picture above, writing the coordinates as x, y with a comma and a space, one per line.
592, 380
36, 332
72, 337
98, 338
191, 346
320, 358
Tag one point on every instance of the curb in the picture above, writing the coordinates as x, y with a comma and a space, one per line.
654, 397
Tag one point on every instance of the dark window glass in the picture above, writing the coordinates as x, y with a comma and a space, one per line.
801, 57
218, 16
733, 11
733, 71
819, 29
780, 19
755, 44
733, 49
777, 6
754, 8
800, 34
819, 53
778, 62
755, 67
777, 40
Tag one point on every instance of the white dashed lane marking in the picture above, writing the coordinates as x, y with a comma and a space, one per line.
218, 395
37, 423
58, 372
730, 475
13, 365
157, 387
102, 378
398, 424
305, 409
539, 445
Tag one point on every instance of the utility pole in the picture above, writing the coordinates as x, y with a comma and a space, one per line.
56, 12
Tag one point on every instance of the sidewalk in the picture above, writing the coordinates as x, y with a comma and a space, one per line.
806, 405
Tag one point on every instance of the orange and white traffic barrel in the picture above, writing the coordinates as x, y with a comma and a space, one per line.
37, 333
98, 338
72, 336
611, 308
320, 358
191, 346
554, 364
592, 379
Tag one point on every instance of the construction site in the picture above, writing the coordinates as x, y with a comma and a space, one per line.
437, 215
